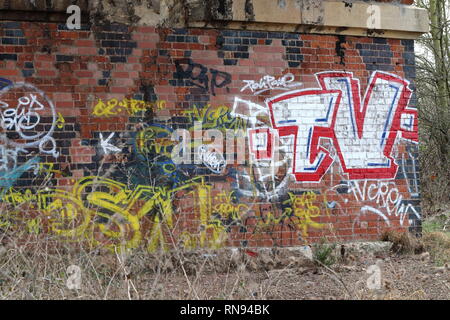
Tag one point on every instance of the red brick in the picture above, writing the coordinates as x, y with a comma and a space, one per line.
75, 89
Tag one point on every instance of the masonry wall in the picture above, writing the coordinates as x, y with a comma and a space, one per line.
325, 128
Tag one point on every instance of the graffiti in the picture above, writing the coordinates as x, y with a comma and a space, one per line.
8, 178
48, 168
108, 147
225, 212
303, 118
409, 170
33, 226
212, 159
386, 198
228, 207
20, 130
155, 138
267, 176
362, 131
197, 75
215, 118
261, 141
131, 106
25, 117
60, 121
8, 158
105, 212
4, 83
153, 146
266, 83
374, 17
116, 212
147, 198
302, 211
299, 213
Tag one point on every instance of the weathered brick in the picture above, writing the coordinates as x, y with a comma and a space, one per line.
179, 76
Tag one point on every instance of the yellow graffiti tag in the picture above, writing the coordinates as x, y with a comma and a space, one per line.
155, 139
34, 226
215, 118
99, 205
228, 207
302, 211
113, 107
47, 168
60, 121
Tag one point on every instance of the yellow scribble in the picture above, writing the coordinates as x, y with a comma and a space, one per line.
60, 121
114, 107
34, 226
116, 211
228, 207
215, 118
155, 139
302, 211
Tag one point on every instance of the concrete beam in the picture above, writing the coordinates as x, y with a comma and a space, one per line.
396, 20
42, 5
392, 20
41, 10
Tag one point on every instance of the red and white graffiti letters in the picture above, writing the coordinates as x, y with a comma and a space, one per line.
363, 131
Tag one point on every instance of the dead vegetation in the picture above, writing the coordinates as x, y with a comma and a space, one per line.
438, 246
39, 269
403, 242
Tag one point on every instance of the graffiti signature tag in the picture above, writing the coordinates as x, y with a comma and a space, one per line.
271, 83
31, 110
212, 159
197, 75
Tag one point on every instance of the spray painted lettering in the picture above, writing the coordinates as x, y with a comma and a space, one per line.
197, 75
266, 83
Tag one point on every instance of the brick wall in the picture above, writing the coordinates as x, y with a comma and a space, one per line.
315, 135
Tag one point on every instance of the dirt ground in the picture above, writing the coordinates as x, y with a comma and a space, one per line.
405, 277
40, 271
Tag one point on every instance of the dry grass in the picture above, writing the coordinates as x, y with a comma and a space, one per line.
403, 242
438, 245
38, 269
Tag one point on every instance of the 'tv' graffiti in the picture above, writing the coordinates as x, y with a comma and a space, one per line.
363, 131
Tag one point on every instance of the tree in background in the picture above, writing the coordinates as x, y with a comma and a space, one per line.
433, 92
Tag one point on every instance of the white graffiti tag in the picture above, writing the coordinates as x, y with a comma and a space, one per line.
25, 118
388, 199
212, 159
270, 154
266, 83
107, 146
8, 159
